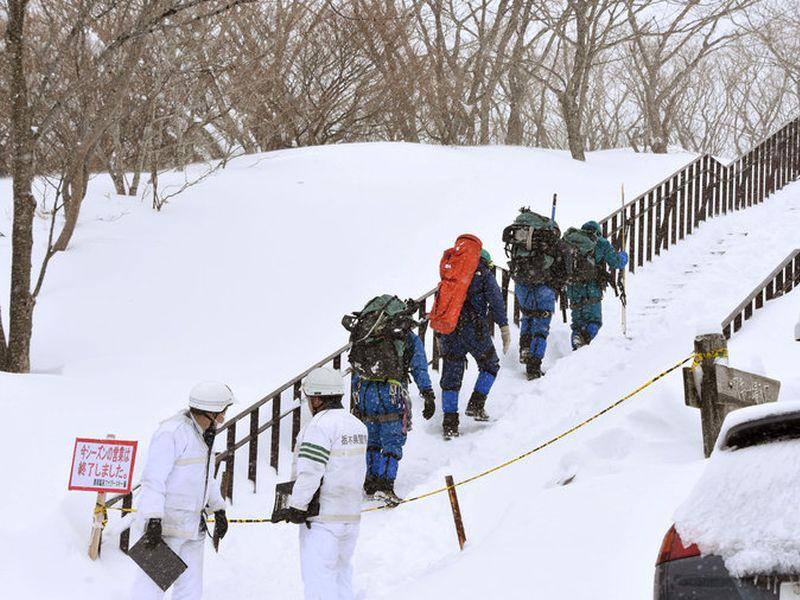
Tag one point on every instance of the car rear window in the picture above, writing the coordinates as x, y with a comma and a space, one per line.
763, 431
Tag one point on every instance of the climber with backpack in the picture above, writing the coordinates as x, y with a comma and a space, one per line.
591, 254
384, 349
539, 262
468, 291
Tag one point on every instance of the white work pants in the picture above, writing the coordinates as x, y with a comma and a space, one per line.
326, 551
189, 586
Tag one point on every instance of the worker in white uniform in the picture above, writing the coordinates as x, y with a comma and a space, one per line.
179, 488
329, 461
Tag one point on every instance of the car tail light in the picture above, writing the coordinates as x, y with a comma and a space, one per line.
672, 548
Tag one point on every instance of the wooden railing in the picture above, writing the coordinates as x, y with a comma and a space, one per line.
705, 188
783, 279
653, 222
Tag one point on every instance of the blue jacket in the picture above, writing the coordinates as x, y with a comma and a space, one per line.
417, 361
484, 295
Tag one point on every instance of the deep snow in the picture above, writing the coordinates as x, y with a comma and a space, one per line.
245, 278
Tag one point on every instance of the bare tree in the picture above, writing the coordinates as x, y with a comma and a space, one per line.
17, 354
583, 31
669, 41
73, 64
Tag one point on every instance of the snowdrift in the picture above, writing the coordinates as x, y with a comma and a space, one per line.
245, 276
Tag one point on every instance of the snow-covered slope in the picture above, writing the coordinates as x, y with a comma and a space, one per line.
245, 277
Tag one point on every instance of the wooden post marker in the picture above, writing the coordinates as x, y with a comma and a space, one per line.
99, 517
451, 491
722, 389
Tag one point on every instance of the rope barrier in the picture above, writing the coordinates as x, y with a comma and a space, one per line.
697, 358
542, 446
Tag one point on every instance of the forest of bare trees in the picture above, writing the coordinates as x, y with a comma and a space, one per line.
133, 87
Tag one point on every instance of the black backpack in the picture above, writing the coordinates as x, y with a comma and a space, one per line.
531, 244
377, 335
582, 245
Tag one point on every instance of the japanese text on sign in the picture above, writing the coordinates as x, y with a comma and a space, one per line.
102, 465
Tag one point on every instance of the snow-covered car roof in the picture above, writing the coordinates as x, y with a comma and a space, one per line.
753, 413
744, 506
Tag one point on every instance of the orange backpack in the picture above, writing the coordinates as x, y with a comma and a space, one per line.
456, 269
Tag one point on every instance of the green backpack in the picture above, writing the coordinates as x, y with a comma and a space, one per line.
531, 244
582, 245
377, 335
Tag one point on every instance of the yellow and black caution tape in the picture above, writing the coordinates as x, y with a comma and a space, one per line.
542, 446
699, 357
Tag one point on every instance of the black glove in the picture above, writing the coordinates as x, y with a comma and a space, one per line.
220, 524
430, 404
152, 533
296, 515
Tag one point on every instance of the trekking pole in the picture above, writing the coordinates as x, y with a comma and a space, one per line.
553, 213
623, 298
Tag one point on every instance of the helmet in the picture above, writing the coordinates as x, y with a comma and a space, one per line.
211, 396
592, 226
485, 256
323, 382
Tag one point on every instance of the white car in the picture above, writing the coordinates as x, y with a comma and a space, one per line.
737, 535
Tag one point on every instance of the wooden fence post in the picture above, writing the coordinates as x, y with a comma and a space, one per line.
707, 349
451, 491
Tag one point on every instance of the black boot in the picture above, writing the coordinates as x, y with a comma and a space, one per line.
475, 407
371, 485
450, 425
385, 492
524, 347
533, 368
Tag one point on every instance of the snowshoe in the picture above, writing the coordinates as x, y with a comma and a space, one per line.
450, 426
533, 369
475, 407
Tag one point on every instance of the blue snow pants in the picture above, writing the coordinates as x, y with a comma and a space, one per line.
537, 304
383, 409
471, 336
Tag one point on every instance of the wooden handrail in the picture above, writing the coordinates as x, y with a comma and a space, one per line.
745, 308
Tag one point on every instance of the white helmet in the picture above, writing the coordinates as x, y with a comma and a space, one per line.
211, 396
323, 382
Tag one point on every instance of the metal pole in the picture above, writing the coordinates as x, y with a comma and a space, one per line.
624, 313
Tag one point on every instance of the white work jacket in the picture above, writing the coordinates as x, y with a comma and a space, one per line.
178, 481
331, 449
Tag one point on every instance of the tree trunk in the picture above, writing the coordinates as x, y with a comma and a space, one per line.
3, 353
572, 120
77, 180
22, 302
116, 167
515, 130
